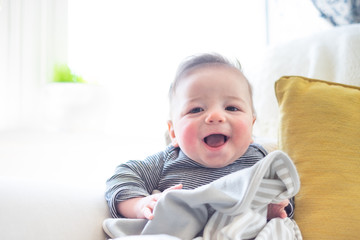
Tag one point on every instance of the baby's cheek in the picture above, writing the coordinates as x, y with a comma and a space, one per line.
243, 129
189, 136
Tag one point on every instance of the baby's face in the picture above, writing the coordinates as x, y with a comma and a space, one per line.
212, 117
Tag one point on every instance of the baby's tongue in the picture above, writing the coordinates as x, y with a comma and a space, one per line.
215, 140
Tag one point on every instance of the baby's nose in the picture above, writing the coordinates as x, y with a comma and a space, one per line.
215, 117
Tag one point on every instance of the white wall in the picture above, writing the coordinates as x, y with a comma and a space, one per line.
292, 19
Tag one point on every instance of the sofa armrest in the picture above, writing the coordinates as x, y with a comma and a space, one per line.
34, 209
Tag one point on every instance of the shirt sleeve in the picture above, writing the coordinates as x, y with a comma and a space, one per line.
134, 179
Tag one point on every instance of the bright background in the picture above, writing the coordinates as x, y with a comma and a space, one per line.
132, 49
128, 52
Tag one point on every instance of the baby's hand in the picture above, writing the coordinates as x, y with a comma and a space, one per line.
277, 210
147, 204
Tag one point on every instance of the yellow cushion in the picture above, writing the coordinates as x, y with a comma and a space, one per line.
320, 130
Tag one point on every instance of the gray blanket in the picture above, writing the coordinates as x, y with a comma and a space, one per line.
240, 201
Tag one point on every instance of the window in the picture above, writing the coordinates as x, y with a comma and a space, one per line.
33, 37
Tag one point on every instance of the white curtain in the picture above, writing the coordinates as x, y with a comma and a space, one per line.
33, 36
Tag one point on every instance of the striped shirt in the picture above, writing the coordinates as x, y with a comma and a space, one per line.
166, 169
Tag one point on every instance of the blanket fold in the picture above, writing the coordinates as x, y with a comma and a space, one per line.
240, 202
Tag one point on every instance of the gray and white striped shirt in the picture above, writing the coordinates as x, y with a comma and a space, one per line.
166, 169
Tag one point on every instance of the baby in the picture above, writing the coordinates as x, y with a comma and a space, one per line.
210, 129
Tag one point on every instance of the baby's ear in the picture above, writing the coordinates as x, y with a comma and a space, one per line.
172, 134
254, 119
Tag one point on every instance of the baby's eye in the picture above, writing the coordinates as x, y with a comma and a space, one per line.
196, 110
232, 109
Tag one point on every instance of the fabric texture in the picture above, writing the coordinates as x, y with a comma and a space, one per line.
320, 130
332, 55
240, 201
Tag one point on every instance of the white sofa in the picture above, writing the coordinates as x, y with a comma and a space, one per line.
40, 200
44, 210
52, 185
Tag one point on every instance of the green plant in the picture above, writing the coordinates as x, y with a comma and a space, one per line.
62, 73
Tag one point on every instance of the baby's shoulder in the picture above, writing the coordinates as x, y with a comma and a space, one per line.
257, 148
170, 152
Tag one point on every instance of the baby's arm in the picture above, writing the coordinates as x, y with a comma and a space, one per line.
142, 207
134, 179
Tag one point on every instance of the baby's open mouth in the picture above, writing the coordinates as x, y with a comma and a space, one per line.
215, 140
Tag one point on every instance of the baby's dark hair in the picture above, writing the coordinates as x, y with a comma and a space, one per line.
201, 60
